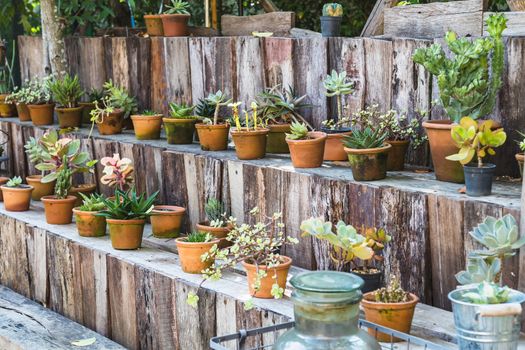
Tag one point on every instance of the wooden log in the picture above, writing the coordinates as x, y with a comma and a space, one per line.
249, 319
139, 59
5, 140
278, 23
250, 70
158, 76
148, 161
375, 23
197, 74
278, 62
175, 187
219, 66
18, 152
378, 76
30, 52
92, 72
177, 70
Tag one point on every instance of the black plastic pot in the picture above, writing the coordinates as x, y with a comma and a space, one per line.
335, 131
373, 281
331, 26
479, 180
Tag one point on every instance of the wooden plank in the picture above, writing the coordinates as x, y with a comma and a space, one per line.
139, 67
250, 70
249, 319
158, 76
38, 258
100, 284
18, 152
433, 20
92, 72
148, 163
378, 89
278, 62
30, 52
219, 65
7, 168
178, 71
278, 23
197, 73
375, 23
236, 186
515, 23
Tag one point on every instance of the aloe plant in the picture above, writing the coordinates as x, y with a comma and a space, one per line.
66, 91
128, 205
365, 139
181, 111
14, 182
92, 203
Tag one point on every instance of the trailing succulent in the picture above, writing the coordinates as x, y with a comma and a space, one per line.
467, 86
365, 139
298, 131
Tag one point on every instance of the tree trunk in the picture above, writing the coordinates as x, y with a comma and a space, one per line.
53, 38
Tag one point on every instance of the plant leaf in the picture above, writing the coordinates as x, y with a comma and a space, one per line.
84, 342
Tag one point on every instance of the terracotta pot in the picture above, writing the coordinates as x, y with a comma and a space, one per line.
179, 131
516, 5
308, 153
23, 112
69, 117
42, 114
126, 234
218, 232
16, 198
87, 107
154, 25
276, 142
85, 189
3, 181
147, 127
368, 164
213, 137
7, 110
190, 255
40, 189
59, 211
396, 156
88, 224
334, 150
265, 291
175, 25
396, 316
250, 144
166, 220
441, 146
111, 123
520, 157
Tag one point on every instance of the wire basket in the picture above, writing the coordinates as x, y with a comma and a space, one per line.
264, 338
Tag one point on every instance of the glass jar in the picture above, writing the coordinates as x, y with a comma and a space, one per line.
326, 309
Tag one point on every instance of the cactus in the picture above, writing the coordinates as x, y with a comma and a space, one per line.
298, 131
337, 84
487, 293
467, 87
64, 183
393, 293
333, 10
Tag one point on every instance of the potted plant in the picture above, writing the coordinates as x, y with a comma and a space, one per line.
476, 140
192, 248
20, 97
89, 224
59, 207
468, 86
36, 153
126, 215
118, 173
67, 93
153, 22
16, 196
486, 314
336, 84
116, 106
306, 148
93, 96
367, 153
250, 139
166, 220
39, 102
213, 133
359, 253
280, 107
175, 18
180, 124
391, 307
147, 125
520, 157
216, 221
7, 84
331, 19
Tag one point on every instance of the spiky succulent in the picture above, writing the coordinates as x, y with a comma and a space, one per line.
181, 111
393, 293
64, 181
66, 91
365, 139
94, 202
178, 7
298, 131
95, 95
487, 293
218, 100
205, 110
128, 205
14, 182
215, 212
282, 105
199, 237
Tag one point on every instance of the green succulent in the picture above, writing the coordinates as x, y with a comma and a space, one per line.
127, 205
298, 131
333, 10
215, 212
178, 7
365, 139
521, 143
205, 110
117, 97
282, 105
64, 181
66, 91
500, 237
181, 111
149, 112
393, 293
487, 293
199, 237
14, 182
337, 84
95, 95
479, 270
218, 100
92, 203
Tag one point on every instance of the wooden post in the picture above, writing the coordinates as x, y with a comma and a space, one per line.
214, 16
374, 24
207, 13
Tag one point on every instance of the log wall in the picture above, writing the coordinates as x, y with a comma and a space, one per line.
161, 70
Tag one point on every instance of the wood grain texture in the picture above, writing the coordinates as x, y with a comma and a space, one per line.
177, 70
250, 69
278, 23
31, 53
158, 76
278, 62
376, 20
378, 76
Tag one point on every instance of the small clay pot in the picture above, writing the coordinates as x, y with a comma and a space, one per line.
368, 164
59, 211
3, 181
42, 114
87, 107
265, 290
166, 220
213, 137
7, 110
111, 123
175, 25
396, 316
154, 25
40, 189
308, 153
334, 150
69, 117
89, 224
250, 144
397, 154
85, 189
218, 232
147, 127
179, 131
23, 112
520, 157
16, 198
190, 255
126, 234
276, 142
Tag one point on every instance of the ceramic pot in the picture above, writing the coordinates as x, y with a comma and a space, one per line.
87, 107
213, 137
3, 181
308, 153
59, 211
126, 234
179, 131
42, 114
396, 156
175, 25
7, 110
111, 123
16, 198
89, 224
218, 232
40, 189
147, 127
69, 117
368, 164
166, 220
250, 144
276, 142
190, 255
154, 25
23, 112
265, 290
85, 189
334, 150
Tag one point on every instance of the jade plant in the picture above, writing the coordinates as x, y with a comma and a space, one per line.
333, 10
298, 131
337, 84
215, 212
217, 100
282, 105
365, 139
118, 172
92, 203
467, 84
178, 7
392, 293
475, 140
66, 91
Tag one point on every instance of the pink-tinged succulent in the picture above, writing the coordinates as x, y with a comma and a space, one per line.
117, 172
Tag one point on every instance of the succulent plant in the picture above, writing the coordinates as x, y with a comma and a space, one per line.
479, 270
178, 7
521, 143
365, 139
199, 237
95, 95
215, 212
205, 110
475, 140
333, 10
92, 203
14, 182
118, 172
282, 105
128, 205
119, 98
66, 91
64, 181
487, 293
181, 111
393, 293
337, 84
298, 131
218, 100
